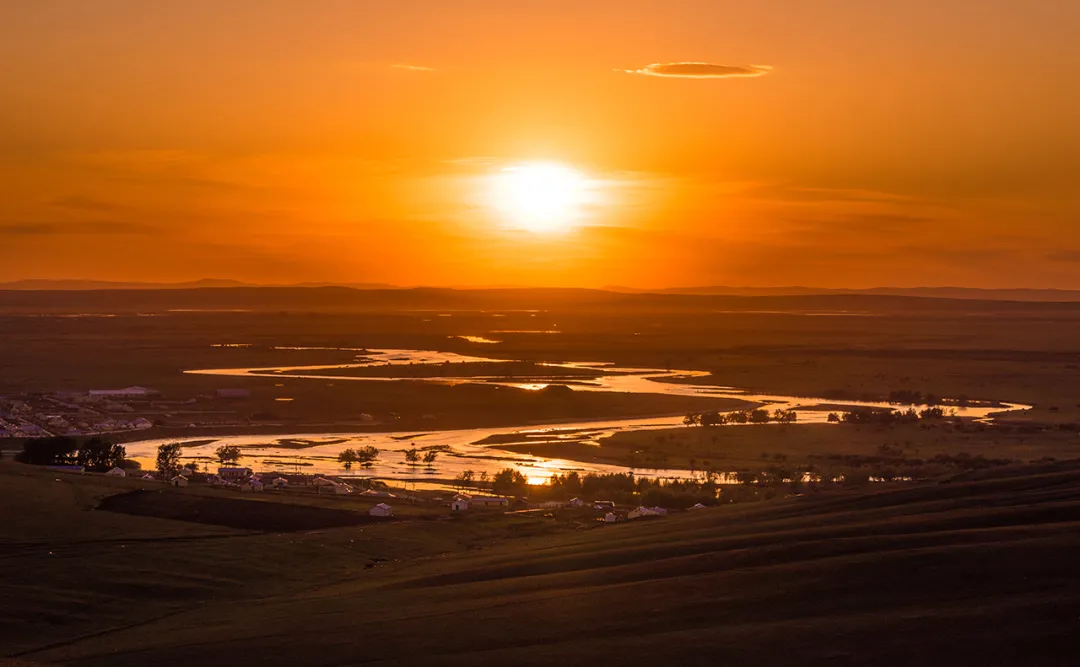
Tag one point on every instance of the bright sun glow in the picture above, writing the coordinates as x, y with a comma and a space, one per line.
540, 197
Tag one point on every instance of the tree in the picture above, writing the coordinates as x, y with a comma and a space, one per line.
168, 459
759, 416
430, 456
347, 458
691, 419
710, 418
932, 413
509, 481
412, 456
55, 450
366, 455
100, 455
834, 418
465, 478
785, 416
228, 455
740, 417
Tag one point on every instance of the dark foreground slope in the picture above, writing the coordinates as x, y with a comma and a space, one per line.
971, 572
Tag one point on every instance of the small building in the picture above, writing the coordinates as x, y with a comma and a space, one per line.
459, 504
576, 502
382, 509
280, 483
252, 485
341, 488
698, 506
610, 517
490, 501
117, 472
148, 476
232, 473
604, 505
179, 480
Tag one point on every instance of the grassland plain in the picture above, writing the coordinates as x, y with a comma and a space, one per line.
979, 570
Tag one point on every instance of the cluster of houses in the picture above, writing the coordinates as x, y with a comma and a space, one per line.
72, 413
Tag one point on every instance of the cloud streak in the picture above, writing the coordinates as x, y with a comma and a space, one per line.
413, 68
68, 228
696, 70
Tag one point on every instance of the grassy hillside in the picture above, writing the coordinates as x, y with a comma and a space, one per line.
979, 570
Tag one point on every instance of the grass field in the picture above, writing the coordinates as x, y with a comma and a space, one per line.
978, 571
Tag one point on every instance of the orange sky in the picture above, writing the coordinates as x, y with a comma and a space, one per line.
928, 143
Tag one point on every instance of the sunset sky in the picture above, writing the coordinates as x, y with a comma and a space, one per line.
835, 143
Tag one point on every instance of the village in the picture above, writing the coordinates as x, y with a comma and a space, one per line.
101, 411
244, 480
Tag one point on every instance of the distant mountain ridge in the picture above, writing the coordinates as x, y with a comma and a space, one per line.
975, 293
75, 284
448, 300
971, 293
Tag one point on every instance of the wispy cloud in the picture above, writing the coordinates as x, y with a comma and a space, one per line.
66, 228
695, 70
413, 68
81, 203
1071, 256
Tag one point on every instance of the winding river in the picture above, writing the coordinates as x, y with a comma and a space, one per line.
317, 452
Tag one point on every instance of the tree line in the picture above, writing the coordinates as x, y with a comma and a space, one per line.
889, 417
95, 454
756, 416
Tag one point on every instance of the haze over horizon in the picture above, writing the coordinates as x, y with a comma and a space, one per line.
637, 143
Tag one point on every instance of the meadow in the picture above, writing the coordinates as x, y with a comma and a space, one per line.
982, 569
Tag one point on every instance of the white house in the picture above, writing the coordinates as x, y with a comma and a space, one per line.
117, 472
640, 512
179, 480
698, 506
459, 504
253, 485
490, 501
610, 517
341, 488
604, 505
577, 502
382, 509
280, 483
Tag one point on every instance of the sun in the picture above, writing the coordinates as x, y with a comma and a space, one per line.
541, 197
